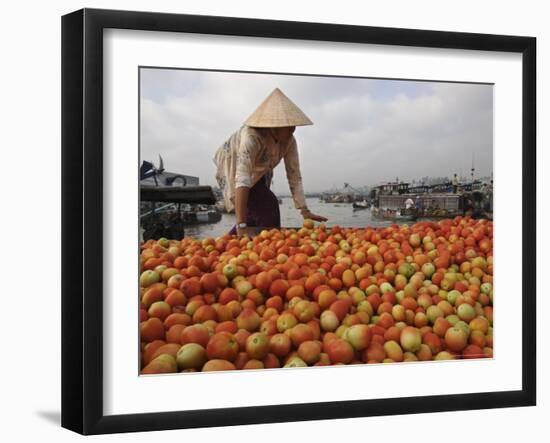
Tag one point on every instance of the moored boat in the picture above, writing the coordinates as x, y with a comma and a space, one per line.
360, 205
394, 214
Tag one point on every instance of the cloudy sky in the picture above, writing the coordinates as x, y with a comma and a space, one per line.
365, 131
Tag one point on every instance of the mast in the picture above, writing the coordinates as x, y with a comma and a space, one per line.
473, 169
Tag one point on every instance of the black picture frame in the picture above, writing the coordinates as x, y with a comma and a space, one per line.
82, 231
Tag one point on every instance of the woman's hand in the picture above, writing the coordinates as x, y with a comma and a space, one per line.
308, 214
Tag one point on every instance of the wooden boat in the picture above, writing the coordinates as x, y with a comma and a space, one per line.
166, 206
393, 215
360, 205
169, 219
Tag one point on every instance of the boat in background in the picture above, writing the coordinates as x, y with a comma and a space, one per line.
395, 215
361, 205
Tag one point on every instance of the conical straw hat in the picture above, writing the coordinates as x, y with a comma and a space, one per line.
277, 111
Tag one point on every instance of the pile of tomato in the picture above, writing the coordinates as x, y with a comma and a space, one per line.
318, 296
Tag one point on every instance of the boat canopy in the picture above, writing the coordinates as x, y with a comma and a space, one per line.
177, 194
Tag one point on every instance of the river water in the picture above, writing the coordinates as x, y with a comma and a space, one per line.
341, 214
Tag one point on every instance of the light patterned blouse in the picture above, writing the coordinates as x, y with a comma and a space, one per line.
248, 155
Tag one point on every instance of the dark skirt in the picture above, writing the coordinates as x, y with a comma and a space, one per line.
262, 209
